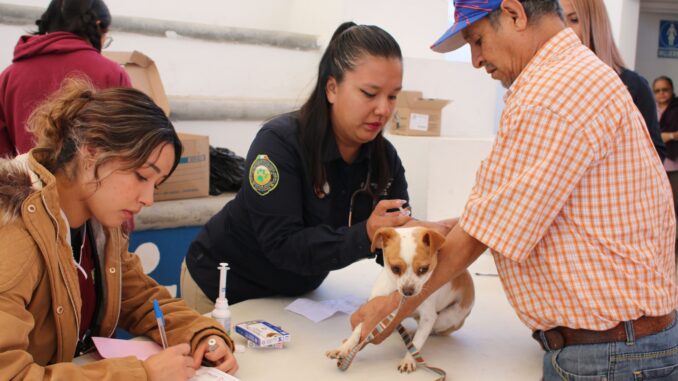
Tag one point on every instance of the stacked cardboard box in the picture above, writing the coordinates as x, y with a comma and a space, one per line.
416, 115
192, 176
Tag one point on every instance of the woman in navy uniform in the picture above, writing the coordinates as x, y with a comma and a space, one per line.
321, 181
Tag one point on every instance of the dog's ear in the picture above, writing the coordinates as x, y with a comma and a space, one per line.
380, 237
433, 240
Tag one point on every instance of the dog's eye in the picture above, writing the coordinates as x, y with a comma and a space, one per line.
396, 270
422, 270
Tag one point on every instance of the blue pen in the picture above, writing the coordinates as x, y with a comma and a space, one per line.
161, 323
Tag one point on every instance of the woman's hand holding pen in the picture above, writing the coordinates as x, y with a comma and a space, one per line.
381, 217
173, 363
220, 355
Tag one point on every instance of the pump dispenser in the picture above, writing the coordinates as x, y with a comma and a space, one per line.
221, 313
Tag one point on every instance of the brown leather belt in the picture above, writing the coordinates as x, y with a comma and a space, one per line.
560, 337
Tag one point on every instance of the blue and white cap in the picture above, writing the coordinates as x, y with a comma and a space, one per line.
466, 12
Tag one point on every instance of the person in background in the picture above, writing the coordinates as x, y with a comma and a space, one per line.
321, 181
667, 110
571, 201
70, 36
66, 274
590, 21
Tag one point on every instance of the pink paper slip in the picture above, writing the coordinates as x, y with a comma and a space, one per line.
113, 348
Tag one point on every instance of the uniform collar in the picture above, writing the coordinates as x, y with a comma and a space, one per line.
332, 151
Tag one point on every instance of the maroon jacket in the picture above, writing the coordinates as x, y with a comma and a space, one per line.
40, 64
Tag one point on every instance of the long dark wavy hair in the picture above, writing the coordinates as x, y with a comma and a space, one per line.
119, 123
88, 19
349, 44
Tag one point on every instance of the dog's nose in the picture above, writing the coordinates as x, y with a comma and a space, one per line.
408, 291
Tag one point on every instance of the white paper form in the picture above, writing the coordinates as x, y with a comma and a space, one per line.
143, 349
211, 374
319, 311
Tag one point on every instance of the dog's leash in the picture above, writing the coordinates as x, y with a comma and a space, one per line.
345, 362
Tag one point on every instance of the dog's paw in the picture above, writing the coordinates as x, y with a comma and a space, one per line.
408, 364
336, 354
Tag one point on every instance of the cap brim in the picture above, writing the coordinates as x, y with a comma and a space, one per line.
453, 39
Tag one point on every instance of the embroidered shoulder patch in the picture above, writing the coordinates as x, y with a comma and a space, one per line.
264, 175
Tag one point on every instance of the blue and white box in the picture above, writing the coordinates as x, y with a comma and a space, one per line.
262, 333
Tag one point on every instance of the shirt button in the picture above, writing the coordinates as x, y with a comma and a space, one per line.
111, 270
60, 310
31, 208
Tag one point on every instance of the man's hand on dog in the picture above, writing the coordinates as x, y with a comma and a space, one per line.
443, 227
374, 311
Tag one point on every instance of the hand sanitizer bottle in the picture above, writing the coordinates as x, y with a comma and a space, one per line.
221, 313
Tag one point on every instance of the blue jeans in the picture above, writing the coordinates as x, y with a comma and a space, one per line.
653, 357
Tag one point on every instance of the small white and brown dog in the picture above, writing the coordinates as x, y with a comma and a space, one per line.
410, 256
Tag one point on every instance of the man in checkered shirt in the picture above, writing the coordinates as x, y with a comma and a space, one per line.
572, 202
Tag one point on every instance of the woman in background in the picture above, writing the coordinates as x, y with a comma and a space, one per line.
321, 181
667, 110
590, 21
69, 39
66, 274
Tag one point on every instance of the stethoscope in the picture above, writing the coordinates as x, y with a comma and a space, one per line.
364, 189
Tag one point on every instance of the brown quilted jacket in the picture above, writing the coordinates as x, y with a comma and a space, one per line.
39, 291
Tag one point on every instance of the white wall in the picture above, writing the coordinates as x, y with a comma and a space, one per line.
214, 69
441, 171
472, 92
9, 35
624, 19
258, 14
245, 71
648, 64
415, 24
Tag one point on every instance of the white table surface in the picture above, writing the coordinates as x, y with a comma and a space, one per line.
492, 345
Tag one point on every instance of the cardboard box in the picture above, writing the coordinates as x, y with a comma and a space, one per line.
192, 177
416, 115
144, 75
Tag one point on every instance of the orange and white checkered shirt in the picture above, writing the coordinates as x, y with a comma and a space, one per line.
573, 201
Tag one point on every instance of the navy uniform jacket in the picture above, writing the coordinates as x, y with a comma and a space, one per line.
644, 100
282, 239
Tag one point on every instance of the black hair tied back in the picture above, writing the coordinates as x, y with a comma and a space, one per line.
88, 19
72, 9
342, 28
350, 42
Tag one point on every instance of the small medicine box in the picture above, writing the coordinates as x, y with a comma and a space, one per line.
262, 333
